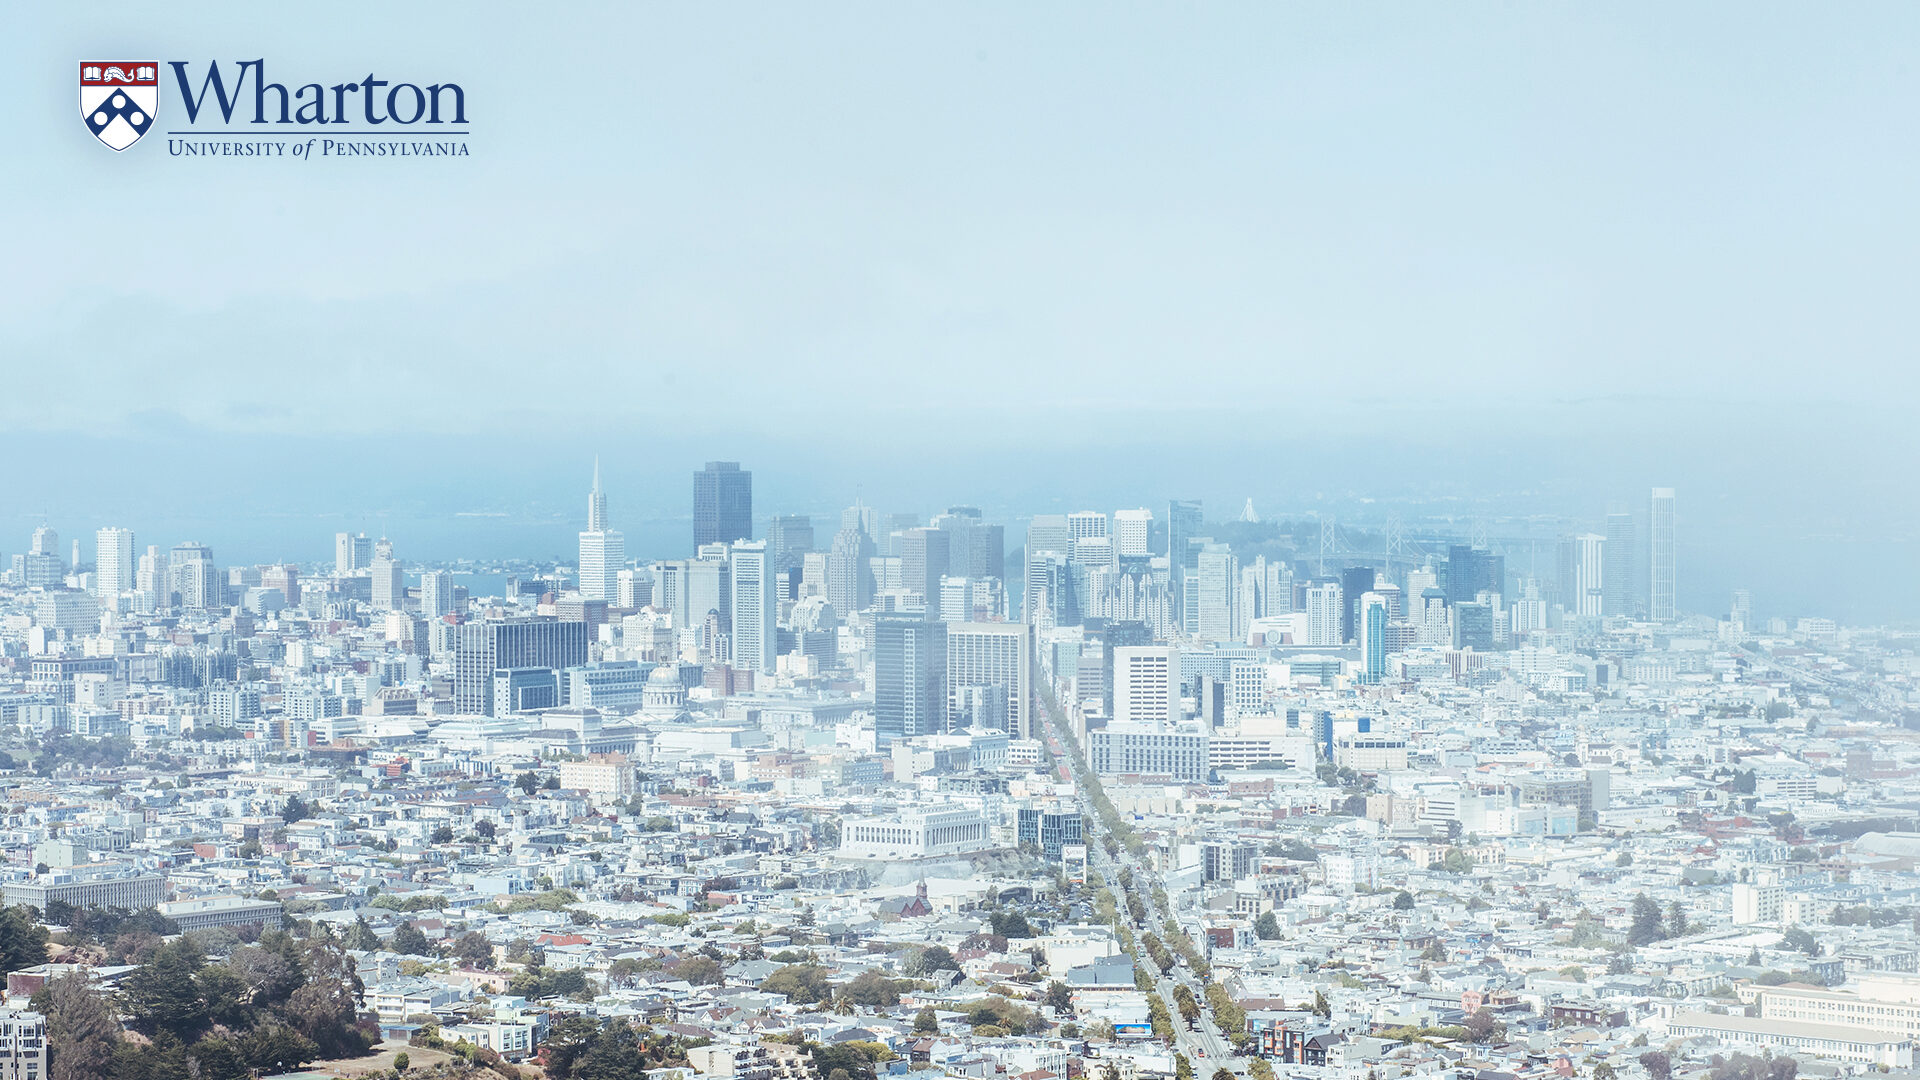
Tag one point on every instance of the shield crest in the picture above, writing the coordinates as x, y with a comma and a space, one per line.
118, 99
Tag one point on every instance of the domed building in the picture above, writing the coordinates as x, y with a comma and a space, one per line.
665, 696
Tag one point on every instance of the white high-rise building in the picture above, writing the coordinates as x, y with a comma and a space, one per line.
1590, 554
1660, 562
1325, 603
1146, 684
603, 551
993, 659
1130, 531
436, 593
150, 576
756, 607
192, 578
351, 553
112, 562
389, 581
1217, 582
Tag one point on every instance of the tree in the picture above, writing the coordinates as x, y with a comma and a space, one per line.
926, 1022
1224, 1073
702, 971
81, 1030
1182, 1068
442, 835
1804, 941
486, 828
162, 996
473, 949
1321, 1007
23, 941
295, 809
871, 988
552, 783
1657, 1064
1266, 926
1403, 901
934, 958
325, 1008
401, 1062
1259, 1069
1483, 1027
1060, 997
1603, 1071
1677, 920
1646, 927
803, 984
360, 936
409, 941
527, 783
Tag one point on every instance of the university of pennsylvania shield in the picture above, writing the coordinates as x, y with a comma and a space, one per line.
118, 99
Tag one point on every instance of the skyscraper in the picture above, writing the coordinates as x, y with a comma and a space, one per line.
1217, 577
191, 577
909, 675
483, 648
1473, 570
1590, 574
1183, 527
436, 593
850, 570
924, 561
1326, 605
756, 607
389, 581
995, 659
112, 563
789, 539
351, 553
1355, 583
1660, 555
1146, 684
722, 504
1373, 636
603, 551
1131, 529
1619, 598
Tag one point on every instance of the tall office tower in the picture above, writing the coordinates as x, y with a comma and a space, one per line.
1146, 684
995, 662
1741, 611
1050, 587
112, 562
1355, 582
42, 566
909, 675
850, 568
1216, 578
722, 504
1092, 551
1473, 570
813, 575
1590, 565
483, 648
436, 593
150, 576
389, 582
861, 516
1373, 636
1131, 529
1086, 525
191, 577
1660, 564
1326, 603
1049, 532
789, 539
283, 577
1184, 523
78, 566
1566, 574
1620, 597
756, 607
709, 591
923, 562
670, 589
634, 588
351, 553
603, 551
1277, 595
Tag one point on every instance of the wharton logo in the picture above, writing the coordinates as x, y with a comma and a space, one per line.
253, 116
118, 100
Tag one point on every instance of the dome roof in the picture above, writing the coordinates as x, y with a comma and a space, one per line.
664, 677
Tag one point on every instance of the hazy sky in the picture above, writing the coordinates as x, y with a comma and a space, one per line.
1304, 253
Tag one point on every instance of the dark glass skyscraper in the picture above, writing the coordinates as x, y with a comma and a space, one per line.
909, 676
722, 504
1473, 570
